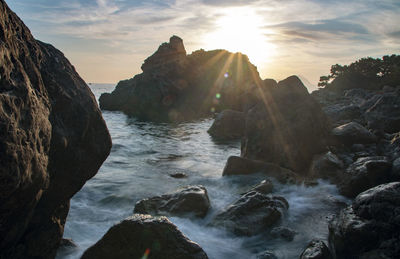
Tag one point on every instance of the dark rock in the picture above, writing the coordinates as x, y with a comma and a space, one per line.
286, 127
340, 114
316, 249
67, 246
140, 234
176, 87
396, 169
265, 187
353, 133
188, 200
228, 124
365, 173
369, 226
52, 140
239, 166
284, 233
266, 255
178, 175
385, 113
252, 214
327, 166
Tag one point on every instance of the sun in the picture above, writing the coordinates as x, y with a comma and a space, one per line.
240, 30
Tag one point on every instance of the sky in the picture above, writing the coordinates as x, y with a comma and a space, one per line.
108, 40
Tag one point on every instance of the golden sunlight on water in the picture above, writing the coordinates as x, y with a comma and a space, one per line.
240, 29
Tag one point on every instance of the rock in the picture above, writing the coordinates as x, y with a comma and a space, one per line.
142, 234
265, 187
252, 214
327, 166
353, 133
284, 233
188, 200
316, 249
179, 87
266, 255
365, 173
52, 140
384, 115
242, 166
178, 175
343, 113
287, 127
369, 226
67, 246
396, 169
228, 124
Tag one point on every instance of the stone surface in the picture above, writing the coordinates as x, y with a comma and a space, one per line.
52, 140
228, 125
327, 166
284, 233
365, 173
133, 236
353, 133
370, 226
242, 166
264, 187
252, 214
316, 249
287, 127
191, 200
178, 175
384, 114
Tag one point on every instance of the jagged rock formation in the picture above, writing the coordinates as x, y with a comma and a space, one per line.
52, 140
175, 86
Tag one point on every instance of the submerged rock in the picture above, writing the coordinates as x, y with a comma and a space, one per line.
52, 140
178, 175
227, 125
370, 226
243, 166
316, 249
353, 133
287, 127
141, 235
266, 255
192, 200
252, 214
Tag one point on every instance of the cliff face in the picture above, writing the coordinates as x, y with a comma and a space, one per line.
52, 140
175, 86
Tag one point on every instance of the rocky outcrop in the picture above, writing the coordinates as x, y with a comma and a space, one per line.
228, 125
52, 140
252, 214
316, 249
370, 226
175, 86
243, 166
287, 127
353, 133
191, 200
143, 235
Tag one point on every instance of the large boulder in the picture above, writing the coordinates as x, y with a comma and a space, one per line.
243, 166
191, 200
252, 214
353, 133
286, 127
140, 236
228, 124
52, 140
175, 86
370, 227
364, 173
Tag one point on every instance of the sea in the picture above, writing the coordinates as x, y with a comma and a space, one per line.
143, 156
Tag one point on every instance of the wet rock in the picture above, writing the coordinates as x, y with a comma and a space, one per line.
228, 124
365, 173
265, 187
353, 133
284, 233
327, 166
243, 166
316, 249
178, 175
67, 246
191, 200
266, 255
369, 226
52, 140
287, 128
133, 236
252, 214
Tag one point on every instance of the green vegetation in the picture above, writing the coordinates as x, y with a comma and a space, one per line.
367, 73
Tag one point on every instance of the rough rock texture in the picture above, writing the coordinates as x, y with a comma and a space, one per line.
52, 140
242, 166
353, 133
252, 214
133, 236
286, 127
316, 249
191, 200
227, 125
175, 86
370, 226
327, 166
365, 173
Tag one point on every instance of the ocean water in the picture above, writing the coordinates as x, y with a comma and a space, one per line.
142, 157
